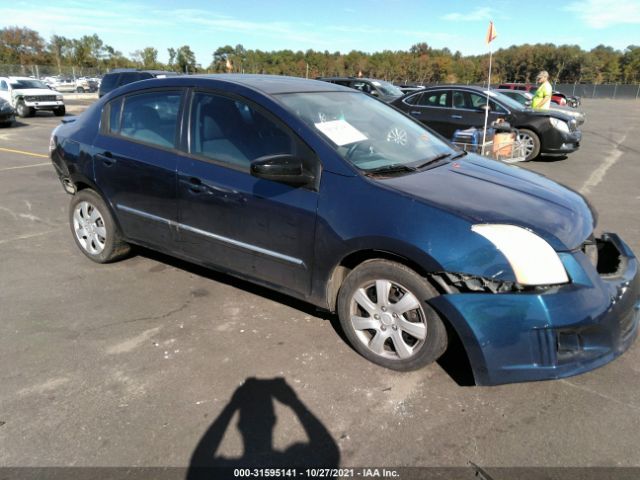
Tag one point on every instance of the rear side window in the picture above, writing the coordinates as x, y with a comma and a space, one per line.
115, 108
149, 117
433, 99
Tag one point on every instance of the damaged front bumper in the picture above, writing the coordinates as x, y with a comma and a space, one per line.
559, 332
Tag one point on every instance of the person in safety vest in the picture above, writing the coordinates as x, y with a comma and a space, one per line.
542, 97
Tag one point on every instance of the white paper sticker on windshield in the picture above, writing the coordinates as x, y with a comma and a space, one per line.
341, 132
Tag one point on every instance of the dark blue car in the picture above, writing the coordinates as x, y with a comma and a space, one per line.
333, 197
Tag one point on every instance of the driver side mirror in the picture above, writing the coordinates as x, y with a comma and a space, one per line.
283, 168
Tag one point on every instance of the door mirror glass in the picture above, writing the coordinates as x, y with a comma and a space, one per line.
281, 168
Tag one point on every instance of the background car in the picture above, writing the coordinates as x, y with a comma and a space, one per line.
28, 95
7, 113
447, 108
526, 98
118, 77
410, 88
385, 91
558, 98
333, 197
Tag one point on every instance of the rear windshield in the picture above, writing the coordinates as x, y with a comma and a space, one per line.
109, 81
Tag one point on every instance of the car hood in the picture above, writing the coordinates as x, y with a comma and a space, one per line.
487, 191
34, 91
550, 113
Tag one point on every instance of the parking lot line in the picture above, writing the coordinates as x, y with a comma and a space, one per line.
22, 152
25, 166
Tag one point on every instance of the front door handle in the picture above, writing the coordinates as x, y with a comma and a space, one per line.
415, 112
457, 117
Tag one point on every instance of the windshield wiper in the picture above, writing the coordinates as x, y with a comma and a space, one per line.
439, 157
393, 168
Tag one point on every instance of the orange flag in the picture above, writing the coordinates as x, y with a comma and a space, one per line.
491, 33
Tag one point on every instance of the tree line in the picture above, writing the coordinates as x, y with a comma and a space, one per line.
419, 64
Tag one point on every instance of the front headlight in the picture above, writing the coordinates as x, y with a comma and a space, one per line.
533, 260
559, 124
58, 97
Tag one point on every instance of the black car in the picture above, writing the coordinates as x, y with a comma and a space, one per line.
7, 113
448, 108
385, 91
525, 99
121, 76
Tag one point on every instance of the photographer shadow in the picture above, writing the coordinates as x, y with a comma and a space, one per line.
254, 402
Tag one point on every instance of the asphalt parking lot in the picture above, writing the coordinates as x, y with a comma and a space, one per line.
146, 362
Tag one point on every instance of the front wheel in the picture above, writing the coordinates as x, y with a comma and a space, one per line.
23, 111
60, 111
383, 310
94, 229
80, 90
530, 143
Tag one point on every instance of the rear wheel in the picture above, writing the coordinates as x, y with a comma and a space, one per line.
94, 230
80, 90
383, 310
530, 143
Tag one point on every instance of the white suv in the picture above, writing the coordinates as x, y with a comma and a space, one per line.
27, 95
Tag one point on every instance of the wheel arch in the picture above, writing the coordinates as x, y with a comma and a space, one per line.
82, 183
455, 334
357, 257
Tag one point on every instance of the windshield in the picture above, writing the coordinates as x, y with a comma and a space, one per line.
387, 88
508, 101
521, 97
24, 83
366, 132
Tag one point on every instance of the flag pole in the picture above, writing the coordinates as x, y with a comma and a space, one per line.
486, 110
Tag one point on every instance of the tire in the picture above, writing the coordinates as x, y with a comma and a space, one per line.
80, 90
401, 332
95, 232
23, 111
60, 111
531, 143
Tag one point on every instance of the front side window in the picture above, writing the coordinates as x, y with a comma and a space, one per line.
148, 117
365, 132
231, 131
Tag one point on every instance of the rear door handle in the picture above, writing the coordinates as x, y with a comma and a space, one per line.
107, 158
457, 117
196, 185
415, 112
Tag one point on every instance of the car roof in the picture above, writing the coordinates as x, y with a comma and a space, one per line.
126, 70
268, 84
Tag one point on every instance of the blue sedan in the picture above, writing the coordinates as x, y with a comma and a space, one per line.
331, 196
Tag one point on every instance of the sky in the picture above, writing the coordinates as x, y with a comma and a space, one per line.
333, 25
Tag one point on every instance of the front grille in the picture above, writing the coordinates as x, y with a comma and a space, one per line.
40, 98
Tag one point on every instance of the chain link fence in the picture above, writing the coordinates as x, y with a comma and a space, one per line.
613, 91
42, 71
586, 90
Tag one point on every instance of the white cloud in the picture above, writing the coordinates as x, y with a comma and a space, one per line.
606, 13
481, 13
